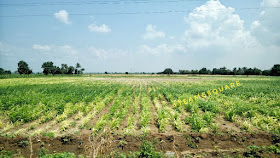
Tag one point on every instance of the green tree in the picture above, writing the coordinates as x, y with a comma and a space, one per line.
275, 70
204, 71
184, 71
167, 71
2, 71
79, 69
194, 71
64, 69
266, 72
234, 71
23, 68
215, 71
7, 72
48, 67
70, 70
240, 71
55, 70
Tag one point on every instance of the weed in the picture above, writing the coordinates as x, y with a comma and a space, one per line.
122, 143
43, 151
23, 143
49, 134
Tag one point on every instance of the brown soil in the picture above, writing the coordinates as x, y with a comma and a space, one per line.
181, 144
153, 127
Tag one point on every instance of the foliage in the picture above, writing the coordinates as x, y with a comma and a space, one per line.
167, 71
147, 150
73, 102
3, 72
49, 68
59, 155
6, 154
275, 71
23, 68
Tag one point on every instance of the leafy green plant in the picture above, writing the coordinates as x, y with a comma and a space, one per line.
49, 134
23, 143
147, 150
196, 122
43, 151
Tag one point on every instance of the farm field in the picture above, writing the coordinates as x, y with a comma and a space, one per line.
140, 116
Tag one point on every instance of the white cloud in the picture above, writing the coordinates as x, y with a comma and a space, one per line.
161, 49
102, 28
266, 29
41, 47
152, 32
101, 53
213, 24
98, 52
62, 16
68, 50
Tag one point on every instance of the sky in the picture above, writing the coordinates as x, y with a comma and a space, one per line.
140, 35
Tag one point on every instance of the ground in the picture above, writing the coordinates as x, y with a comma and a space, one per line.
114, 115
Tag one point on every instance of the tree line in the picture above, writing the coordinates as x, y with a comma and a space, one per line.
2, 71
274, 71
48, 68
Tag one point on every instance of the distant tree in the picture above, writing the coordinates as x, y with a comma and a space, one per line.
234, 71
168, 71
126, 72
23, 68
82, 70
246, 71
106, 72
78, 65
7, 72
204, 71
48, 67
55, 70
224, 71
70, 70
184, 72
2, 71
194, 71
64, 69
266, 72
275, 70
257, 71
215, 71
240, 71
79, 69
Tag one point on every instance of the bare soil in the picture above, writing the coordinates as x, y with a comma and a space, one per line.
212, 145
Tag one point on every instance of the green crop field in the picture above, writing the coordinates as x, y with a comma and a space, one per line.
139, 116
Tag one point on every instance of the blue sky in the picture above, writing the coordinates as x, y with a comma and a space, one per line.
140, 35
